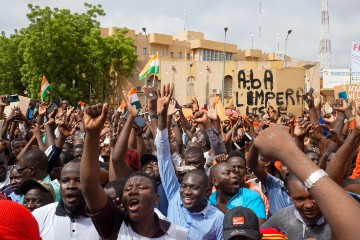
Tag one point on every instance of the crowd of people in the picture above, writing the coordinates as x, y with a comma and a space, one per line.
68, 172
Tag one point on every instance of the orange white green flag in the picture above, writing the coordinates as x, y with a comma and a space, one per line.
133, 99
45, 89
152, 67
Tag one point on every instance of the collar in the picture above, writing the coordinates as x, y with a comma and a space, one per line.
308, 221
60, 211
164, 225
202, 212
47, 179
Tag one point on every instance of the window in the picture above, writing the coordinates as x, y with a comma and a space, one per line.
152, 51
172, 54
190, 86
228, 86
144, 51
162, 53
188, 56
179, 55
135, 49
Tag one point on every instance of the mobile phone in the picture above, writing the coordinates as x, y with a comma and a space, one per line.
140, 121
309, 94
245, 138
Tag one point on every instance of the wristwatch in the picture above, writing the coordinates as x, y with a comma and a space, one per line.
314, 177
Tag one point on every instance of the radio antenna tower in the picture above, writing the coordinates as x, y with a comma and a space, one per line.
186, 25
325, 42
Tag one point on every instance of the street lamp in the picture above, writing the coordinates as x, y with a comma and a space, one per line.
289, 31
147, 58
191, 81
223, 80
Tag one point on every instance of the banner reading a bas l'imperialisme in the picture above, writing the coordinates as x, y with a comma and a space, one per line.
355, 62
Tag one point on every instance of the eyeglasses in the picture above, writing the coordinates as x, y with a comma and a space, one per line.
19, 170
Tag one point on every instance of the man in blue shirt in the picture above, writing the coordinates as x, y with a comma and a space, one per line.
229, 194
187, 204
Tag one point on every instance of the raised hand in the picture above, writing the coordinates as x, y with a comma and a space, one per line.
95, 117
66, 129
339, 105
172, 108
274, 143
163, 101
130, 108
317, 100
302, 127
43, 107
211, 113
150, 92
329, 118
195, 104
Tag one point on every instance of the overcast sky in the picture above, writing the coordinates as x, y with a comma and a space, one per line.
210, 17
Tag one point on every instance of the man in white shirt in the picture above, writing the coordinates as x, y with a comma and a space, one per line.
67, 218
138, 220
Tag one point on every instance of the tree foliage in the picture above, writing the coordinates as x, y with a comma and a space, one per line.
67, 48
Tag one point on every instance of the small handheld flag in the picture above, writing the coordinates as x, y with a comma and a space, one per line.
45, 89
152, 67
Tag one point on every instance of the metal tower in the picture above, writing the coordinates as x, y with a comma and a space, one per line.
325, 42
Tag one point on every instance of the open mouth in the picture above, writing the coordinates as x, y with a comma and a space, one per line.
236, 183
71, 197
134, 205
187, 200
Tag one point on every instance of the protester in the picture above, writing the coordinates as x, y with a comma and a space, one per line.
139, 196
304, 219
67, 218
241, 223
187, 204
37, 193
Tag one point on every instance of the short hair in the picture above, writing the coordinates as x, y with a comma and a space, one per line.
291, 177
143, 174
204, 137
194, 150
235, 154
200, 174
118, 185
66, 157
36, 158
71, 146
215, 169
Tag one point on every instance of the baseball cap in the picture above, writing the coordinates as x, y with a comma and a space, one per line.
28, 183
147, 157
241, 221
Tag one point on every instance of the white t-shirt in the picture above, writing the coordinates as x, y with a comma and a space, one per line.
174, 232
53, 226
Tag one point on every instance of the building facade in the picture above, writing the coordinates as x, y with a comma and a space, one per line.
196, 66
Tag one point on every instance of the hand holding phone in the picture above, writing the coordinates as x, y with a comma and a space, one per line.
245, 138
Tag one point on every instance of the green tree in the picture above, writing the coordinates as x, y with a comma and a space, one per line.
67, 48
11, 61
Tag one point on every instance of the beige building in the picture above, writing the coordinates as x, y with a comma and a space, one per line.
196, 66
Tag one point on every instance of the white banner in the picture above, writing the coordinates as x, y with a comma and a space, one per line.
355, 62
336, 77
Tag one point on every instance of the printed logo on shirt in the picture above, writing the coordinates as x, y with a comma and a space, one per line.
238, 220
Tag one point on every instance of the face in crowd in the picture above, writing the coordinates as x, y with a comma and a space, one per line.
140, 196
36, 198
70, 187
303, 201
151, 167
15, 180
239, 166
17, 146
194, 189
194, 156
225, 178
